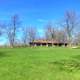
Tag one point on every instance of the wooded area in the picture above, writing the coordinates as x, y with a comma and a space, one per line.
18, 35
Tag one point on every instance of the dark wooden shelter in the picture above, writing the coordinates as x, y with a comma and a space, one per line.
48, 43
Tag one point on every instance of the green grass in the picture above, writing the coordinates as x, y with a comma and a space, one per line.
40, 63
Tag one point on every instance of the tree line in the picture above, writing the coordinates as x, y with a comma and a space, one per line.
68, 32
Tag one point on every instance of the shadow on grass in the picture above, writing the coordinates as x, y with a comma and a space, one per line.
67, 65
76, 57
3, 54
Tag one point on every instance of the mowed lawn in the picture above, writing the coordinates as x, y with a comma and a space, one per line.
39, 63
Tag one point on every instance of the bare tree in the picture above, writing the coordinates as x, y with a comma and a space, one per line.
31, 33
11, 30
25, 36
2, 28
49, 32
76, 40
61, 36
70, 24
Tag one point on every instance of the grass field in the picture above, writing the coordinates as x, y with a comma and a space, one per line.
40, 63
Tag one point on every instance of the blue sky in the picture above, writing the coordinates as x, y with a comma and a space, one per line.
37, 12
